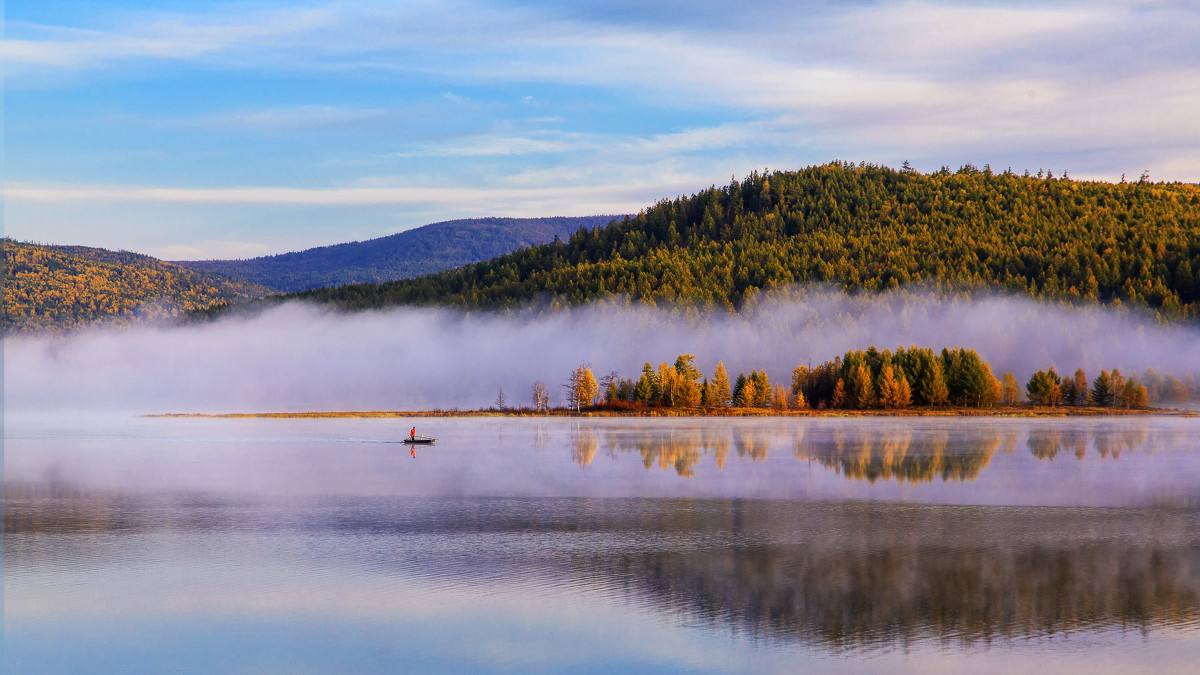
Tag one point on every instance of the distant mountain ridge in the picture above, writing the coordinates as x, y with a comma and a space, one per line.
424, 250
56, 287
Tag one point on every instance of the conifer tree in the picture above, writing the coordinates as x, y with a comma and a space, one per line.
720, 383
747, 396
888, 387
688, 381
1102, 393
1081, 387
798, 400
646, 389
903, 392
839, 400
937, 392
762, 389
861, 388
668, 385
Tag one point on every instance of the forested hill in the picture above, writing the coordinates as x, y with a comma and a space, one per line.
859, 227
69, 286
431, 248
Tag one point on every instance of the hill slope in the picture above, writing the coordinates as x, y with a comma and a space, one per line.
68, 286
859, 227
427, 249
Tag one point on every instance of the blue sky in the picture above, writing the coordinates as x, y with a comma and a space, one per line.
229, 129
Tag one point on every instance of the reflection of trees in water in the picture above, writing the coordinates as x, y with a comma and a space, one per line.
1108, 442
899, 454
872, 455
886, 576
843, 576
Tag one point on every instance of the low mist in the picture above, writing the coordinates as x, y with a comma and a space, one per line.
299, 357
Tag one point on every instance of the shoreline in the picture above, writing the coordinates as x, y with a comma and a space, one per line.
1012, 411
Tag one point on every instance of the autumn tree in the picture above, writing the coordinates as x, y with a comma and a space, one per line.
894, 391
688, 381
720, 396
1010, 393
1044, 388
839, 398
780, 399
1081, 387
582, 388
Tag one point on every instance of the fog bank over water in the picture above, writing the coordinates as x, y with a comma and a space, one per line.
300, 356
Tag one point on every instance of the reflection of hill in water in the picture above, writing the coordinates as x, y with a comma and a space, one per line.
901, 455
863, 576
839, 576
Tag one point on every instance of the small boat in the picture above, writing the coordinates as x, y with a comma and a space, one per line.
419, 440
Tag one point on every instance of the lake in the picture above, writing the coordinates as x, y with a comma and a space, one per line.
878, 545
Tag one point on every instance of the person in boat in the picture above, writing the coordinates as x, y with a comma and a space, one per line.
412, 434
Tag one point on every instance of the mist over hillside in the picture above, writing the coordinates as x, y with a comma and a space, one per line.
422, 250
302, 356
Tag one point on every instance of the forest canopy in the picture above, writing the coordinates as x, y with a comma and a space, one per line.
54, 287
859, 227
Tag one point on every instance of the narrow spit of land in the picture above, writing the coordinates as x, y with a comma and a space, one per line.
1003, 411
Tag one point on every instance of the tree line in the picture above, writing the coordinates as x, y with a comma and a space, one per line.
860, 227
859, 380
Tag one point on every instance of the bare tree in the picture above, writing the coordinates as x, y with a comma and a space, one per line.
541, 397
501, 400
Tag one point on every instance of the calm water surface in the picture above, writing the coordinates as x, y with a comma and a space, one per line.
858, 545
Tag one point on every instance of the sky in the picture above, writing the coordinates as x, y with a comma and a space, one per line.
232, 129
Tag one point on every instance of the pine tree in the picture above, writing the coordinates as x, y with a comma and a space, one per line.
1081, 387
762, 388
839, 400
646, 389
862, 390
903, 392
798, 400
747, 396
888, 388
688, 381
720, 382
668, 386
937, 392
1102, 393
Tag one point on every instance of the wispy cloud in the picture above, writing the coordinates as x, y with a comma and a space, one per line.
509, 108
